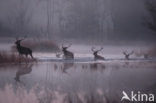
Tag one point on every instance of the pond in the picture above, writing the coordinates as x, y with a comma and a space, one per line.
75, 82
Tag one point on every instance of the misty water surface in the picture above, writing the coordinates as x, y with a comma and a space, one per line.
110, 79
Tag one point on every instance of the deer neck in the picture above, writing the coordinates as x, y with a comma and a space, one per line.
95, 53
65, 50
18, 45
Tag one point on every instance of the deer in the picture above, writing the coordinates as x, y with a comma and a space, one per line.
23, 50
127, 55
67, 54
146, 56
96, 55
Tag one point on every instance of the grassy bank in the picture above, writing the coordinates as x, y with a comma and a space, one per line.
6, 57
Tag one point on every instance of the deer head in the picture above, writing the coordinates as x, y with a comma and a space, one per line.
18, 41
64, 48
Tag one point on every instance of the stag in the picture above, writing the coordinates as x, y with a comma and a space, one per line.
146, 56
96, 55
127, 55
67, 54
23, 50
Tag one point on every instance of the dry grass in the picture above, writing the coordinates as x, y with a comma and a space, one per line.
39, 45
6, 57
152, 52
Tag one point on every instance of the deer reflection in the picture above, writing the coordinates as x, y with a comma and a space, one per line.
23, 70
84, 66
97, 67
66, 66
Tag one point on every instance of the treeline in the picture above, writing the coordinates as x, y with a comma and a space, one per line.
89, 19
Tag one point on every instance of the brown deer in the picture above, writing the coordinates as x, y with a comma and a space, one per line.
96, 55
127, 55
23, 50
67, 54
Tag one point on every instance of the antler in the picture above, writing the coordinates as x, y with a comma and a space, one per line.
17, 39
125, 53
66, 46
69, 45
93, 49
100, 49
131, 53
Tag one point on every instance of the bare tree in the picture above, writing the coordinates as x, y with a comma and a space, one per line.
151, 7
50, 9
21, 18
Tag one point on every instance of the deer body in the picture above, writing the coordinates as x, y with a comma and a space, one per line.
67, 54
23, 50
98, 57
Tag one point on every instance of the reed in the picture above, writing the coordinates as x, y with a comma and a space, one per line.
6, 57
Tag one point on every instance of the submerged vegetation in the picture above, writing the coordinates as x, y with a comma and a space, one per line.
45, 95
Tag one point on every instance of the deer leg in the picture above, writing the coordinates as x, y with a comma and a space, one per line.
26, 55
31, 56
17, 78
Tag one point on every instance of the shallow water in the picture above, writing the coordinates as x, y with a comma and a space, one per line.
96, 78
53, 80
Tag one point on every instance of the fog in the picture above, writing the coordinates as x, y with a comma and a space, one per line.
77, 51
105, 20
